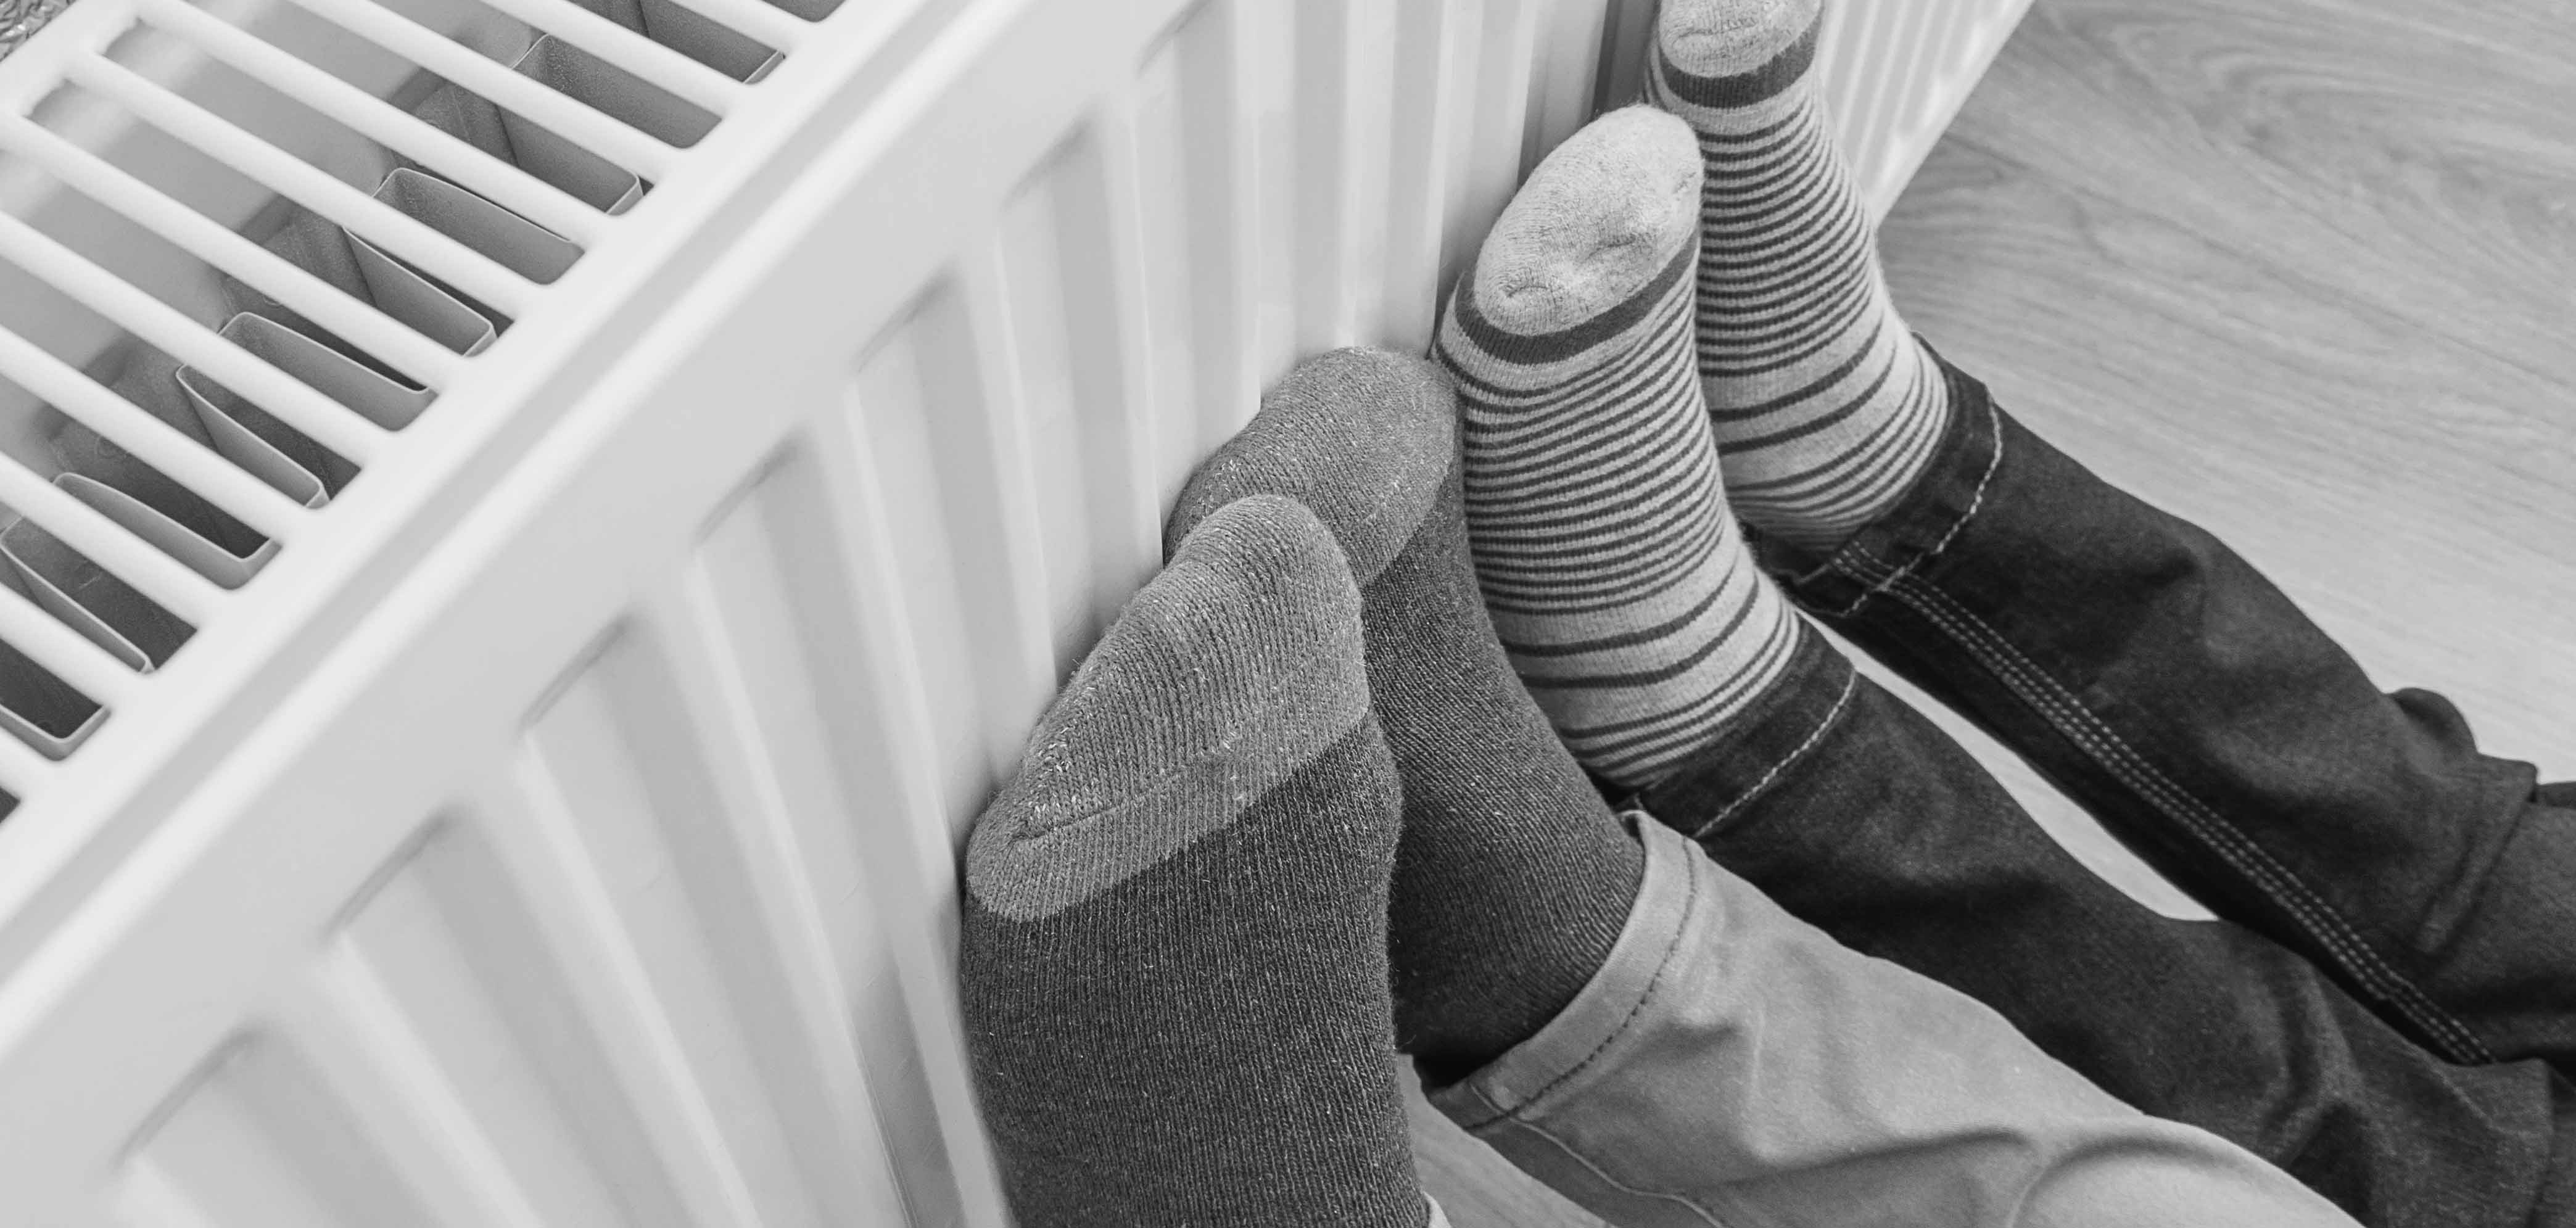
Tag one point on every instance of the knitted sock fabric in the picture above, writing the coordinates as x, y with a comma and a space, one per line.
1621, 585
1174, 934
1826, 407
1513, 879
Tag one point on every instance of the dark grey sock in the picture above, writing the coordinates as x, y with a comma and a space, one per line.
1513, 879
1174, 948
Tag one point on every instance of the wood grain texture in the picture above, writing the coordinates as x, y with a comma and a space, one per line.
2302, 275
2305, 273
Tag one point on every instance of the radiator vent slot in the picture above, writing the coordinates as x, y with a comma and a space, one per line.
245, 244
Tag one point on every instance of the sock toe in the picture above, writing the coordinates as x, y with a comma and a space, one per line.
1724, 39
1172, 951
1362, 437
1599, 219
1239, 664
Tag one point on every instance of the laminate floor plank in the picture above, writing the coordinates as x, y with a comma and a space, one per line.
2412, 156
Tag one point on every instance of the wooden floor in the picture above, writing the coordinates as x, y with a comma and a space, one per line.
2303, 272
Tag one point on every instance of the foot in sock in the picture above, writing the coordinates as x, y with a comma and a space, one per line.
1513, 879
1826, 406
1621, 585
1174, 935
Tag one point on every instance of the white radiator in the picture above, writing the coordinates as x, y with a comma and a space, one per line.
1899, 70
499, 764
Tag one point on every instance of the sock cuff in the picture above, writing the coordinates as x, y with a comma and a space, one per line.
1235, 668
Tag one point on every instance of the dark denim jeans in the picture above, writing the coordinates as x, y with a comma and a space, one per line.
2382, 1006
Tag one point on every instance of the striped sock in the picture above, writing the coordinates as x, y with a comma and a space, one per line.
1173, 948
1826, 406
1619, 582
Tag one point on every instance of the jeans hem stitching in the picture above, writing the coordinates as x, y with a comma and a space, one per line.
1851, 687
1976, 504
2068, 715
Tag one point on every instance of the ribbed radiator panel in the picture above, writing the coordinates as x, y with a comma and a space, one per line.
1896, 71
604, 873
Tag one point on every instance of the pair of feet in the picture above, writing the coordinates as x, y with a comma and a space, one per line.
1299, 810
1293, 813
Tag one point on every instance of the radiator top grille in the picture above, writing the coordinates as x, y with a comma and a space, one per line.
244, 246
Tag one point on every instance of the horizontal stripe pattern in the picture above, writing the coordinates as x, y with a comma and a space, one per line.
1825, 406
1619, 582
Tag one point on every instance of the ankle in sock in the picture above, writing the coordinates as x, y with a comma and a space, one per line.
1826, 407
1620, 583
1173, 955
1513, 879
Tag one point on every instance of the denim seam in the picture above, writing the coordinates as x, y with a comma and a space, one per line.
1976, 503
1851, 686
2324, 923
2105, 746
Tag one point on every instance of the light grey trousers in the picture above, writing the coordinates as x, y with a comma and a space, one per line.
1732, 1065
